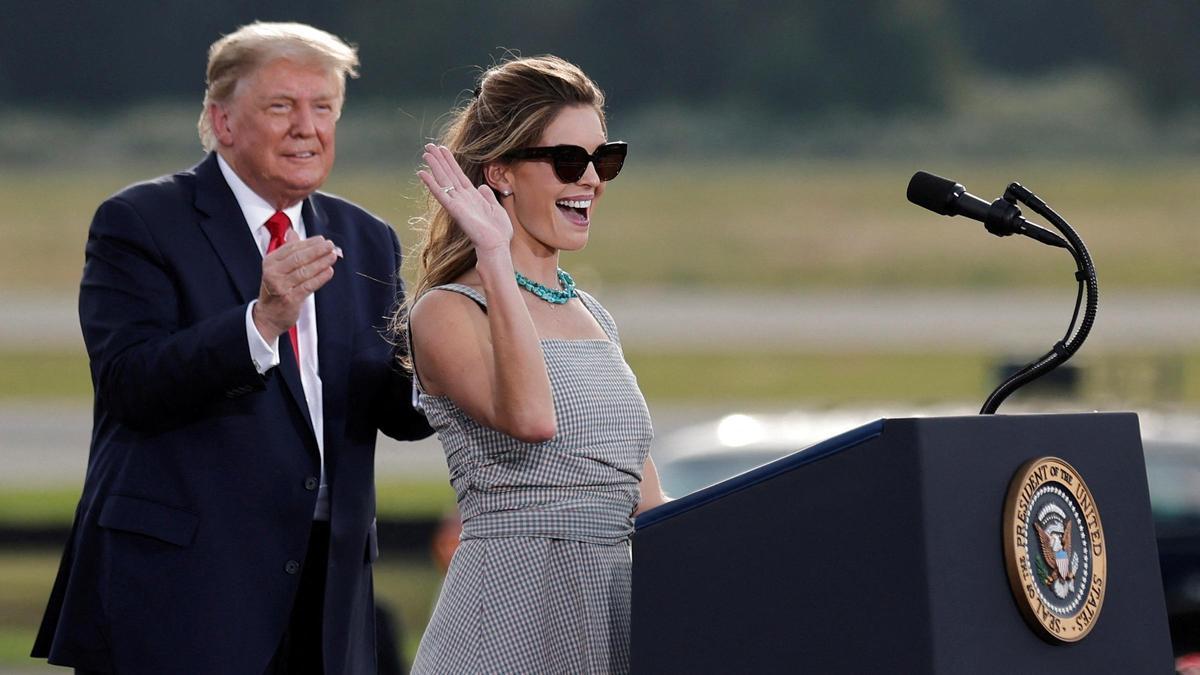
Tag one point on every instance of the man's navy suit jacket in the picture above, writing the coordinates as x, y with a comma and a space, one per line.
200, 487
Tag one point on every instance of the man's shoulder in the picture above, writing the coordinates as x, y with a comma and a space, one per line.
346, 209
355, 220
168, 190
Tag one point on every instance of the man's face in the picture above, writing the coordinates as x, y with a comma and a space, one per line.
277, 131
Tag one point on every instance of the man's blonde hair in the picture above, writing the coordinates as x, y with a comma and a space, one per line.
239, 54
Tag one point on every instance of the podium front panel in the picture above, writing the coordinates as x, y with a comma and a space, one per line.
881, 549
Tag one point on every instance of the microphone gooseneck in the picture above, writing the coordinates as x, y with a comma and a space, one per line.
1002, 218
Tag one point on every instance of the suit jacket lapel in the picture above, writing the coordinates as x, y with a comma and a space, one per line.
225, 226
335, 334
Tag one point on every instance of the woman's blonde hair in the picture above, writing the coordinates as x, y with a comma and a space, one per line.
513, 104
237, 55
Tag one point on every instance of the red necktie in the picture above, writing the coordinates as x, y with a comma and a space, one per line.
279, 224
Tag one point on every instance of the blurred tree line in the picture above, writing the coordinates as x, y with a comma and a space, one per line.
776, 57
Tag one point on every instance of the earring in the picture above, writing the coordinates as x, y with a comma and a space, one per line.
506, 193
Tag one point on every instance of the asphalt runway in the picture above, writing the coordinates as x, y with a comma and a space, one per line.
806, 321
47, 443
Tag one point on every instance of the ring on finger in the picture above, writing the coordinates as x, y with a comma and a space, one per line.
448, 189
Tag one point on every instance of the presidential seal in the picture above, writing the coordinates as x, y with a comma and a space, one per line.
1054, 549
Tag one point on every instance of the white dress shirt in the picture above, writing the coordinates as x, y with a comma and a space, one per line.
266, 356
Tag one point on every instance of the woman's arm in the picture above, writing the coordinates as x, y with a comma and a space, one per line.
651, 487
490, 365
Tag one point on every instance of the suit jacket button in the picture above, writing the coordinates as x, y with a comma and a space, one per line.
311, 483
291, 567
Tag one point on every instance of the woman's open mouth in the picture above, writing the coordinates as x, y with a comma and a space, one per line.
575, 210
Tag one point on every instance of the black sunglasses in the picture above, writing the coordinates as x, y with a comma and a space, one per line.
571, 161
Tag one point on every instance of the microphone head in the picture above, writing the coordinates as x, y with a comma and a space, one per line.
934, 193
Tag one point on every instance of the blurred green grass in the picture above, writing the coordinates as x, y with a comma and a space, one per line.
55, 505
740, 224
849, 225
408, 586
775, 377
772, 378
44, 374
27, 580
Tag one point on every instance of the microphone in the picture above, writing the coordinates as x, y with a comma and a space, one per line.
1001, 217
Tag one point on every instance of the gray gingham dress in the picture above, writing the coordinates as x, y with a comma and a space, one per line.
540, 580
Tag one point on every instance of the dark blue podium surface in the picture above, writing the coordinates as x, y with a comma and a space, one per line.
880, 550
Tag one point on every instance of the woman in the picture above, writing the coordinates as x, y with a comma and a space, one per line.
545, 431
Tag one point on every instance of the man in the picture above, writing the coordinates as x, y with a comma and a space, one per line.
233, 317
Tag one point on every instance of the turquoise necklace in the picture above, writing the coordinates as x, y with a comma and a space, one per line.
553, 296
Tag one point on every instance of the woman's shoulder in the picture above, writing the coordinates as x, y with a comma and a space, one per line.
447, 301
601, 314
591, 302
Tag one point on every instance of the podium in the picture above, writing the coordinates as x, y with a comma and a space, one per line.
883, 550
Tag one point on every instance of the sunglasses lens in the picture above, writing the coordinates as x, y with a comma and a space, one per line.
570, 162
609, 160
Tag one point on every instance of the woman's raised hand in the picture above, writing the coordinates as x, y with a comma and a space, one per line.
475, 210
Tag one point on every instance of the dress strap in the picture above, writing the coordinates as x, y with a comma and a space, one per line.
602, 316
466, 290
